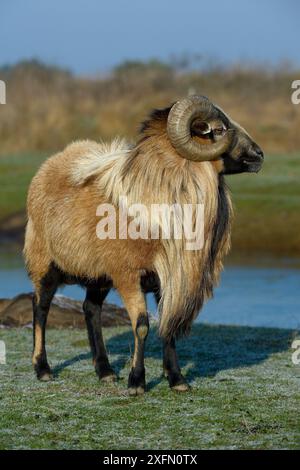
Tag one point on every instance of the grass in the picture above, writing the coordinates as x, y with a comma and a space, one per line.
245, 394
266, 205
16, 172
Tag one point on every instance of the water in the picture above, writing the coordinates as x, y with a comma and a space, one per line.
247, 295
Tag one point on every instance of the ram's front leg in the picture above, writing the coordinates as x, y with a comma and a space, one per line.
135, 304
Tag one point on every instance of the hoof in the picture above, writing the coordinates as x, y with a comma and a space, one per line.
43, 371
183, 387
110, 378
136, 382
105, 373
176, 381
135, 391
45, 376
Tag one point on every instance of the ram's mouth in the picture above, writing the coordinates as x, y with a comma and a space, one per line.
253, 166
244, 164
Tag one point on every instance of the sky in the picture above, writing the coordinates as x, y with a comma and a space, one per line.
92, 36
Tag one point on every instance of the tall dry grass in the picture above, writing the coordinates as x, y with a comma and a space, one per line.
48, 107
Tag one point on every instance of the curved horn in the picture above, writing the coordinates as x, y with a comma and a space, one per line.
180, 118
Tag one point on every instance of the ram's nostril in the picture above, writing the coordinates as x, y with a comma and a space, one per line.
255, 154
259, 152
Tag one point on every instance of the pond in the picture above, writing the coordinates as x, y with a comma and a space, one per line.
262, 293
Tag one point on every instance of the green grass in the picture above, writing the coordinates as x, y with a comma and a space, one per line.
267, 207
16, 172
245, 394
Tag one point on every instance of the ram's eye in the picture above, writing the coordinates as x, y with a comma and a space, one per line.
219, 130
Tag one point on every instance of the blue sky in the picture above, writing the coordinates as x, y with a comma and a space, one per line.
91, 36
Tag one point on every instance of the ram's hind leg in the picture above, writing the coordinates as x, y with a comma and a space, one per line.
134, 301
170, 362
171, 367
45, 290
92, 308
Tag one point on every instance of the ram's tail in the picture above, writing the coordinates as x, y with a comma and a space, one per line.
182, 292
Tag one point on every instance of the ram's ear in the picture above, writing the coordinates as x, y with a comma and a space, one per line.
200, 128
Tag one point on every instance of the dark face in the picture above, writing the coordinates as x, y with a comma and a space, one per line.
243, 156
248, 159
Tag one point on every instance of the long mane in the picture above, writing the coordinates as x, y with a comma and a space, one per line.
151, 172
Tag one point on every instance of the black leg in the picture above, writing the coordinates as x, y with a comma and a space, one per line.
171, 367
170, 362
136, 379
92, 308
41, 304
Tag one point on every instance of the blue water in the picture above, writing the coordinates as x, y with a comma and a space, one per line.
253, 296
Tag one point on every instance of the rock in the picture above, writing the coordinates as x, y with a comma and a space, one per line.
64, 313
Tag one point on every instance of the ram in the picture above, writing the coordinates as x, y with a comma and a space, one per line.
180, 157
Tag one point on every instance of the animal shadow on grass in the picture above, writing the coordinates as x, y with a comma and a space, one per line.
208, 350
56, 370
